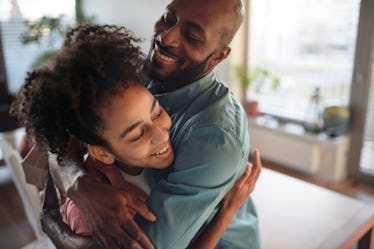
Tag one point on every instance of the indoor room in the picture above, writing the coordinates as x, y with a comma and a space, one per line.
303, 72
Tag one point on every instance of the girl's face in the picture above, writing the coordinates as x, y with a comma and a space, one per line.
137, 128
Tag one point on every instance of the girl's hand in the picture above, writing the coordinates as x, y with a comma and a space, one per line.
243, 187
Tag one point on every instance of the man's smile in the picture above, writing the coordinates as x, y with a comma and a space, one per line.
162, 55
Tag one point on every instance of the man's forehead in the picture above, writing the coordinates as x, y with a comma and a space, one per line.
221, 6
197, 13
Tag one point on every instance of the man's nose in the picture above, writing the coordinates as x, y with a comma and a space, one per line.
170, 37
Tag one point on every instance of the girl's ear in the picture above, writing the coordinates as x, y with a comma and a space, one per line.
101, 154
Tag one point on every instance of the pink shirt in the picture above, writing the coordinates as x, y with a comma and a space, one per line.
108, 173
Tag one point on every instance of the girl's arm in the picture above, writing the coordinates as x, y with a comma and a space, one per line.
232, 201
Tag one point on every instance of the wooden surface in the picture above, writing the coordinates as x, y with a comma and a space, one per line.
295, 214
15, 230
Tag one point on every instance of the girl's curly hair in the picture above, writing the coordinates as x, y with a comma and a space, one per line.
63, 99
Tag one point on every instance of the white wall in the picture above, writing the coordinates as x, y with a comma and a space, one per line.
139, 16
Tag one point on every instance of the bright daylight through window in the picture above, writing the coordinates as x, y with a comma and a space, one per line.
19, 58
307, 44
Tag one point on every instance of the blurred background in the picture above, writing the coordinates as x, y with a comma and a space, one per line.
307, 65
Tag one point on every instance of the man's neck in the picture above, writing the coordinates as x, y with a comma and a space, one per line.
170, 86
166, 87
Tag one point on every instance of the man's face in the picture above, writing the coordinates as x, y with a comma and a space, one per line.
186, 42
137, 128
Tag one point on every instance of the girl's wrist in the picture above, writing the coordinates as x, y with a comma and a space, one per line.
228, 210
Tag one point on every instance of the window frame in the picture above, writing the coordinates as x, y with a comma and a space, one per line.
360, 87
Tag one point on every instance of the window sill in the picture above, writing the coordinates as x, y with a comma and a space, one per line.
288, 144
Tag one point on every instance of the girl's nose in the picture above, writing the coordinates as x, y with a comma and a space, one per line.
160, 134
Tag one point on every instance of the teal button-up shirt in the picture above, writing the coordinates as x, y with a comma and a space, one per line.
211, 144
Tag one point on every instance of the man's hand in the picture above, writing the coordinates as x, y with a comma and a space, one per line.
55, 228
104, 209
106, 212
243, 186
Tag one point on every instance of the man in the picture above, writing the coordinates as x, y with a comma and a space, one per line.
209, 136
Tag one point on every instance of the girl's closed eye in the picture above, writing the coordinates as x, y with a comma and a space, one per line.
138, 136
160, 113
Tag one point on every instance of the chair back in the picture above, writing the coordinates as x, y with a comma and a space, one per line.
28, 193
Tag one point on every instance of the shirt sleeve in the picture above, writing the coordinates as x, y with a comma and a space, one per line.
207, 163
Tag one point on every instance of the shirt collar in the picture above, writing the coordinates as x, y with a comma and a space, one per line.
175, 100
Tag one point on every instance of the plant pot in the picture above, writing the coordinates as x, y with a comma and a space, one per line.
251, 108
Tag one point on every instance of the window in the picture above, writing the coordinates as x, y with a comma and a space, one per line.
306, 44
18, 57
34, 9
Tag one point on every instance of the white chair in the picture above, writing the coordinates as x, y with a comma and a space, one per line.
28, 193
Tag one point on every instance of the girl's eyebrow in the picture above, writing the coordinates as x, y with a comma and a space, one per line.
136, 124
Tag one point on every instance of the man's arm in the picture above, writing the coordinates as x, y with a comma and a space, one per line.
231, 203
207, 163
103, 207
52, 223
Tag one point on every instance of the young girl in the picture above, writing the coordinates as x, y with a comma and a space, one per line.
91, 91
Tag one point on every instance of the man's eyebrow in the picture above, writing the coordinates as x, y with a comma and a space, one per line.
133, 126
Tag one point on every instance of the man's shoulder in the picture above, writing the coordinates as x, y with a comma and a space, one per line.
215, 111
220, 108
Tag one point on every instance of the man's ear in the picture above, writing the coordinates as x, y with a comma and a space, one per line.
101, 154
220, 56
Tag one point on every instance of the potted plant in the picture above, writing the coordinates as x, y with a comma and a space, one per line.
52, 28
256, 78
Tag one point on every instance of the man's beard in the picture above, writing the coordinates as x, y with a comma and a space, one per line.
177, 78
